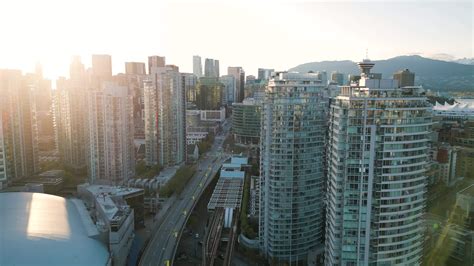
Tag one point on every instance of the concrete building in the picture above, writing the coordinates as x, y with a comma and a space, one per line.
110, 149
216, 68
197, 66
135, 68
229, 93
54, 230
155, 61
291, 167
337, 78
209, 94
133, 79
239, 74
213, 115
378, 152
165, 117
323, 76
18, 129
41, 98
70, 119
246, 119
405, 78
189, 82
201, 123
101, 69
77, 70
447, 161
114, 211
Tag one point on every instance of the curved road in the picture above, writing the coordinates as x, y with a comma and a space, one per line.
161, 249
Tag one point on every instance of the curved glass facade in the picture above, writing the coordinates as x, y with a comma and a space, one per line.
292, 174
377, 157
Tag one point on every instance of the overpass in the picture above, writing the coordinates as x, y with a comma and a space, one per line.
162, 247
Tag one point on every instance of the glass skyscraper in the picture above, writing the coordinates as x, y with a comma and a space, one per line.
377, 158
292, 175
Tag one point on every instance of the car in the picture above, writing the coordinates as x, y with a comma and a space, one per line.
196, 236
200, 243
221, 256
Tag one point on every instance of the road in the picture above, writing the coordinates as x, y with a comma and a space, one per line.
161, 249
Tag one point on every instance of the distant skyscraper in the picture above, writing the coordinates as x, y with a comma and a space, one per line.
229, 92
377, 158
155, 61
77, 70
292, 172
323, 76
18, 128
197, 66
209, 70
70, 116
405, 78
110, 149
102, 66
239, 74
41, 99
165, 117
338, 78
189, 82
135, 68
250, 79
133, 79
209, 94
264, 73
216, 68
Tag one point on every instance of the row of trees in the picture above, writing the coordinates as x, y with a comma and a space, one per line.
245, 226
178, 182
144, 171
206, 143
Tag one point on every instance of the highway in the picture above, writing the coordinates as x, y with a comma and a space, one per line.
162, 247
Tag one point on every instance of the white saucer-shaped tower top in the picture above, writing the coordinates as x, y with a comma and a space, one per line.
365, 66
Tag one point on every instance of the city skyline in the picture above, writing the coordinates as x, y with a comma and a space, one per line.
217, 132
331, 22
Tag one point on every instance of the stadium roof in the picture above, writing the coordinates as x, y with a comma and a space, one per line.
461, 105
42, 229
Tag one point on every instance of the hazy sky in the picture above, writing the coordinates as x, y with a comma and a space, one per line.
252, 34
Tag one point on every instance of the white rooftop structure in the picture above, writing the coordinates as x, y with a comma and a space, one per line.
462, 108
233, 174
239, 160
229, 188
105, 197
42, 229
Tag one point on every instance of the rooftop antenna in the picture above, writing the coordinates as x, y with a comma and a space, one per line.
366, 53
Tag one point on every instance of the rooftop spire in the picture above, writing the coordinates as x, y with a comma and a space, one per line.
366, 64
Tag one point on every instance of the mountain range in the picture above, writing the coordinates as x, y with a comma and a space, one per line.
430, 73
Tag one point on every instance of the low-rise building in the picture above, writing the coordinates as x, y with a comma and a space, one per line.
114, 209
447, 161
